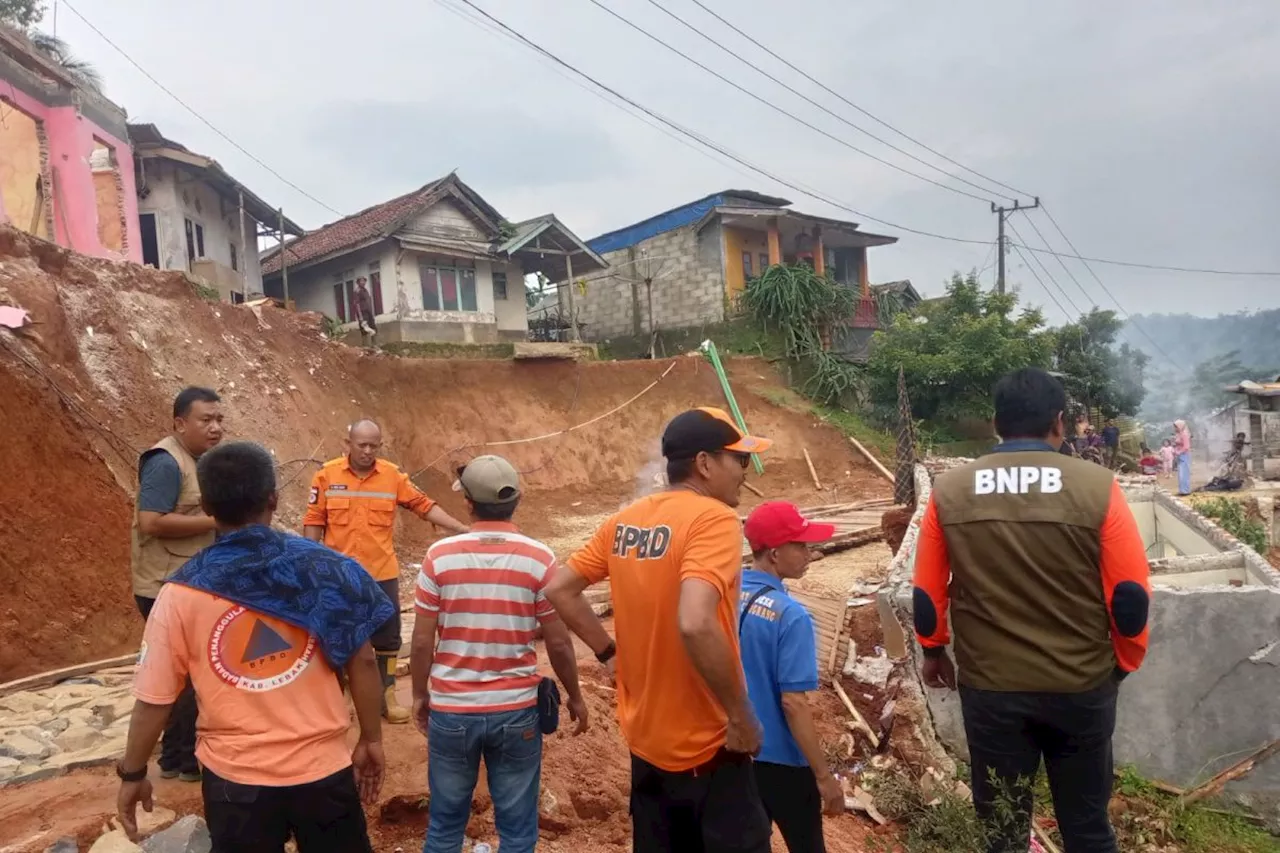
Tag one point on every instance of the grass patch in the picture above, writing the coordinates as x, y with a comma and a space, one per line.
854, 424
1231, 516
448, 350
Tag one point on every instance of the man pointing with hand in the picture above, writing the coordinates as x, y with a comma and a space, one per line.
674, 563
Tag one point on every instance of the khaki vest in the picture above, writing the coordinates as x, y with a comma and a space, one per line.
1028, 611
155, 559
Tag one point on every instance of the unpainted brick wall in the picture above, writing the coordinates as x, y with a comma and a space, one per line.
688, 286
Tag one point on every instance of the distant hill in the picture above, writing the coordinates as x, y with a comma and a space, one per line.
1190, 341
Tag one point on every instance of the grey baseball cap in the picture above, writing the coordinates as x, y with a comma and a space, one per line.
489, 480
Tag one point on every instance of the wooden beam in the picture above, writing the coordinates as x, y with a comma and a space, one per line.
817, 484
858, 721
45, 679
874, 461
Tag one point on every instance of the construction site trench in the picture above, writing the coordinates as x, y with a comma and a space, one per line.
89, 382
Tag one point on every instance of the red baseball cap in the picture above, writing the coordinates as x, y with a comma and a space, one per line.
776, 523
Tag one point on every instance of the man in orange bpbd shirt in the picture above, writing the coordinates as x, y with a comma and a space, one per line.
674, 562
352, 509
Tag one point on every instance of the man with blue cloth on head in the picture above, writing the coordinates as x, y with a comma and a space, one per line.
780, 661
261, 621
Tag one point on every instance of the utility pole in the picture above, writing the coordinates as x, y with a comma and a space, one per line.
1003, 214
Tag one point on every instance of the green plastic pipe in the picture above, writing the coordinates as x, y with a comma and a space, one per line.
709, 350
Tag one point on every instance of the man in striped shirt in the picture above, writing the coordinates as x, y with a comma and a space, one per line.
476, 692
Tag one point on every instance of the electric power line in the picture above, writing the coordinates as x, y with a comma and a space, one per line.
1088, 299
850, 103
771, 105
1048, 275
703, 140
193, 111
812, 102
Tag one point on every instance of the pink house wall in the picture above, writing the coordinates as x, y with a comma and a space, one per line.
70, 137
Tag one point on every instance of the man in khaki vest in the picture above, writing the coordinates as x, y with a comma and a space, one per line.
170, 528
1037, 561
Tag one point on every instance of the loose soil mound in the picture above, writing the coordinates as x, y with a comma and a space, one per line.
120, 340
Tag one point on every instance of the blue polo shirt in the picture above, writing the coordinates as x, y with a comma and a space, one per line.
779, 655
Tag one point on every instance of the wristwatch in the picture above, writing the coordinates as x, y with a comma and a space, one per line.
608, 653
130, 775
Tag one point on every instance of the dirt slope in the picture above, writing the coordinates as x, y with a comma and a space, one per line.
120, 340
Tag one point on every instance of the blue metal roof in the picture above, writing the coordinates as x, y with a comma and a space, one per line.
675, 218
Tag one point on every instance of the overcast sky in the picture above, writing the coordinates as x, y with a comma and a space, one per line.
1149, 127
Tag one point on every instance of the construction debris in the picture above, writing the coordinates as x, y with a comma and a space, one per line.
859, 723
1243, 768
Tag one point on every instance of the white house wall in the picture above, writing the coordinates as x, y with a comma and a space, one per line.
177, 195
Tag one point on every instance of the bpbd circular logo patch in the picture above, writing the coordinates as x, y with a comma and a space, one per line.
251, 651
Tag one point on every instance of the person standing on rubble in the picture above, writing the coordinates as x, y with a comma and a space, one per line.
1111, 442
1040, 562
352, 509
674, 561
169, 528
259, 621
780, 658
479, 695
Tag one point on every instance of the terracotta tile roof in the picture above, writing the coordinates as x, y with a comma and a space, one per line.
357, 228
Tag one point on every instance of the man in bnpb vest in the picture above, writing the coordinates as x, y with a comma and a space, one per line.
1041, 564
169, 528
352, 509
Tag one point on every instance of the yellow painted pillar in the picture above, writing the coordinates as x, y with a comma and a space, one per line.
819, 252
775, 243
864, 279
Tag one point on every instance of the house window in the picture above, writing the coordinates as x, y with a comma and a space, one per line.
764, 261
344, 294
499, 286
448, 288
746, 265
375, 286
339, 302
235, 257
195, 240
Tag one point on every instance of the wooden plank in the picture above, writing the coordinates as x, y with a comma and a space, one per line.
858, 721
874, 461
1235, 771
817, 484
45, 679
828, 621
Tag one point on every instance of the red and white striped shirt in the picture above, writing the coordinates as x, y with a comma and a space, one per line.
486, 587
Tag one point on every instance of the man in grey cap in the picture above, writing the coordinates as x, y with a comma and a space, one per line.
477, 693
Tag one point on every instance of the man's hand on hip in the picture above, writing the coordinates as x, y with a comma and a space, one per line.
744, 733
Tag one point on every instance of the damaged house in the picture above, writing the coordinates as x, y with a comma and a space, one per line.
66, 174
440, 263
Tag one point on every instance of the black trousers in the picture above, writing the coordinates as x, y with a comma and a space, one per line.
322, 817
713, 809
386, 639
1008, 735
178, 746
791, 800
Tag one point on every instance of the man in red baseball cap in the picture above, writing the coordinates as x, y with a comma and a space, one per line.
780, 660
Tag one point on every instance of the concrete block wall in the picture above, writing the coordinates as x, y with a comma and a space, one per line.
1203, 697
688, 287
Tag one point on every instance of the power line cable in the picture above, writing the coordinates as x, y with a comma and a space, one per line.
771, 105
193, 111
705, 141
1128, 317
867, 113
1027, 216
1048, 275
740, 58
1033, 272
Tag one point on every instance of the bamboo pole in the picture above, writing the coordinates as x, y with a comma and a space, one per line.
817, 484
874, 461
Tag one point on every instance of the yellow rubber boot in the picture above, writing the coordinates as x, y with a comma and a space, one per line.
392, 711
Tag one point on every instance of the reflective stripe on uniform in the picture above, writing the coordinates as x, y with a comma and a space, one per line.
345, 493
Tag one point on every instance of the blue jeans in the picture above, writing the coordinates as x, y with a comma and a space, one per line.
1184, 473
511, 744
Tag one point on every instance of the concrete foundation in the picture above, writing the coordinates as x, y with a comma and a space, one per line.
1206, 695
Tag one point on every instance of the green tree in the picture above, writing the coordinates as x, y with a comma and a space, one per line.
57, 50
1096, 371
953, 350
21, 13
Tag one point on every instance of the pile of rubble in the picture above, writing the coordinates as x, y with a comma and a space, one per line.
80, 723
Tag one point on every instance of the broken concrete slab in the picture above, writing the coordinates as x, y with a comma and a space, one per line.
24, 747
114, 842
63, 845
78, 737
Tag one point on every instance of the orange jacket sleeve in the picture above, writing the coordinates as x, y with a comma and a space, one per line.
931, 597
411, 497
316, 516
1126, 582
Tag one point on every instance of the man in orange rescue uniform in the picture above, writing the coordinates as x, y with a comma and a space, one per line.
674, 562
1042, 566
352, 509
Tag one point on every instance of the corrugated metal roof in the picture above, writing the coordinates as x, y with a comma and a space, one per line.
677, 217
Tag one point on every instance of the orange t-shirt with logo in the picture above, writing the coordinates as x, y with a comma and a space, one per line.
270, 708
668, 715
